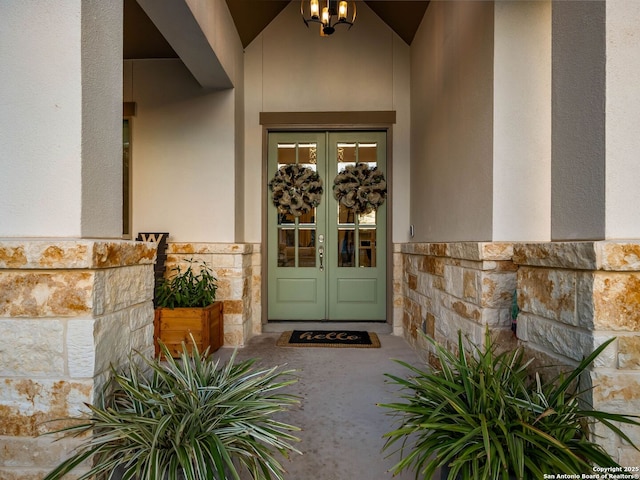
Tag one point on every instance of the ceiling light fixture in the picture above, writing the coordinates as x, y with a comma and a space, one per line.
334, 13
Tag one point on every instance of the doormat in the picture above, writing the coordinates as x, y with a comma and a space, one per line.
329, 338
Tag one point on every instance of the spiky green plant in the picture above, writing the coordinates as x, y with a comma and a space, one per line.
190, 418
481, 416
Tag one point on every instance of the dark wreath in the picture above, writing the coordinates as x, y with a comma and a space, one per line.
360, 188
296, 189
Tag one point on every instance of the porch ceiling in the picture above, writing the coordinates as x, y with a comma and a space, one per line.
143, 40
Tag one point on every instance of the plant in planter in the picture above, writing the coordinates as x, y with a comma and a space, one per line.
188, 288
481, 415
187, 419
186, 309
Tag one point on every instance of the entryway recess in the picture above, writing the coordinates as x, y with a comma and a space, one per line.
330, 262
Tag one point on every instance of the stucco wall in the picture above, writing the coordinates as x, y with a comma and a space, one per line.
101, 112
578, 148
452, 123
623, 110
289, 68
183, 153
61, 70
187, 135
522, 121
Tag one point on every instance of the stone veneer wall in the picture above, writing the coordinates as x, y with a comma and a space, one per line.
68, 309
572, 297
397, 320
457, 286
237, 268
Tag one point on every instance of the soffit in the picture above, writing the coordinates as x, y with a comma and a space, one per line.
142, 39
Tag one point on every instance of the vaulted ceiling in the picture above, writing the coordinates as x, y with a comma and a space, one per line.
251, 16
143, 40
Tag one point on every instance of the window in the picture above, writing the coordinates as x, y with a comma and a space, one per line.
126, 177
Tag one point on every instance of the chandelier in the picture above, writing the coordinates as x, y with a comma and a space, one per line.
334, 13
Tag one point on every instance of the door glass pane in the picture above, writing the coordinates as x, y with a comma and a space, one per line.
307, 247
346, 247
307, 155
368, 153
346, 154
286, 153
286, 247
367, 253
367, 218
345, 215
286, 219
308, 218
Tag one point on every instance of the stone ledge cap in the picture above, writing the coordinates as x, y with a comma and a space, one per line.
43, 254
476, 251
619, 255
186, 248
598, 255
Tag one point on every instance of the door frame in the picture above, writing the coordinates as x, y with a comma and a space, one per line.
327, 121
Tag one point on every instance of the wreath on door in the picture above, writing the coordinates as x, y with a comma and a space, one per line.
360, 188
296, 189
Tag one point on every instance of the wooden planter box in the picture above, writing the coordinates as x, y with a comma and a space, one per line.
173, 326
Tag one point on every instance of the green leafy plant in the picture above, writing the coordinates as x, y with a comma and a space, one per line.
480, 415
189, 418
188, 288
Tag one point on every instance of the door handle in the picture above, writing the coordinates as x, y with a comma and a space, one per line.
321, 255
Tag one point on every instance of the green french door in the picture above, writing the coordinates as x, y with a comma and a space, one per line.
325, 262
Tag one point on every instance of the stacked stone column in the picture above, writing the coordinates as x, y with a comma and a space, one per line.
574, 296
69, 309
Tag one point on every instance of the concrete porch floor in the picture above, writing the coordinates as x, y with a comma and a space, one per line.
339, 389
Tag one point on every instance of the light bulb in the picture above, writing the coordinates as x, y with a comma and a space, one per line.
315, 8
342, 10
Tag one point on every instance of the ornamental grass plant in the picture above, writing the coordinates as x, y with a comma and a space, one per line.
190, 418
481, 415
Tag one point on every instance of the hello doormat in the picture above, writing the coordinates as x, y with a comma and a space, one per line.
329, 338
